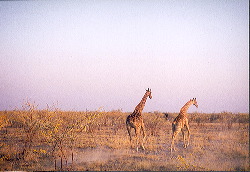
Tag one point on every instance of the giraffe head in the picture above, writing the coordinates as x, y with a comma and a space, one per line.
148, 92
194, 102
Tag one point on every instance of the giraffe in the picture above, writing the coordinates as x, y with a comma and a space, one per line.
134, 120
180, 122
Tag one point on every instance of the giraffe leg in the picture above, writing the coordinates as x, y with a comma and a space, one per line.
184, 140
172, 143
176, 130
137, 132
188, 134
173, 138
129, 133
144, 136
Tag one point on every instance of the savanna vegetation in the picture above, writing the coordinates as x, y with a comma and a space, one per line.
52, 139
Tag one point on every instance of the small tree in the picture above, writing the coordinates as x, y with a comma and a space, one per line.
29, 120
4, 121
61, 130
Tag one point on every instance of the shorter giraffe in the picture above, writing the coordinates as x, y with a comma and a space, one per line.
180, 122
134, 120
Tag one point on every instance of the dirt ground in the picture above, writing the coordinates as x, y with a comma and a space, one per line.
104, 145
214, 151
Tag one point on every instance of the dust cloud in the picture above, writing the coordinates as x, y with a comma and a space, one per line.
100, 154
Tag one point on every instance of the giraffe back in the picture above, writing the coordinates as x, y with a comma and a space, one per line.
180, 120
135, 119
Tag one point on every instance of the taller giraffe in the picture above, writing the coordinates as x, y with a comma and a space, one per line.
181, 121
134, 120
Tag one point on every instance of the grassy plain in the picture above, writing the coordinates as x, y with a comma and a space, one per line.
98, 141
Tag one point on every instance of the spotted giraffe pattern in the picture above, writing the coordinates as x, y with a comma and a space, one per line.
181, 122
135, 120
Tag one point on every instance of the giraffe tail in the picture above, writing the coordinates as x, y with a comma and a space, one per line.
173, 127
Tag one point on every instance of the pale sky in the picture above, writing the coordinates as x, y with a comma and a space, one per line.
89, 54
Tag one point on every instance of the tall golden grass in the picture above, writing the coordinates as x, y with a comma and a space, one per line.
52, 139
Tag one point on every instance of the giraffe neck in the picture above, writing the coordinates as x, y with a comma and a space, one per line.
141, 105
185, 107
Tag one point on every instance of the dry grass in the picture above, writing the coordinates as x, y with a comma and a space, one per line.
35, 140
